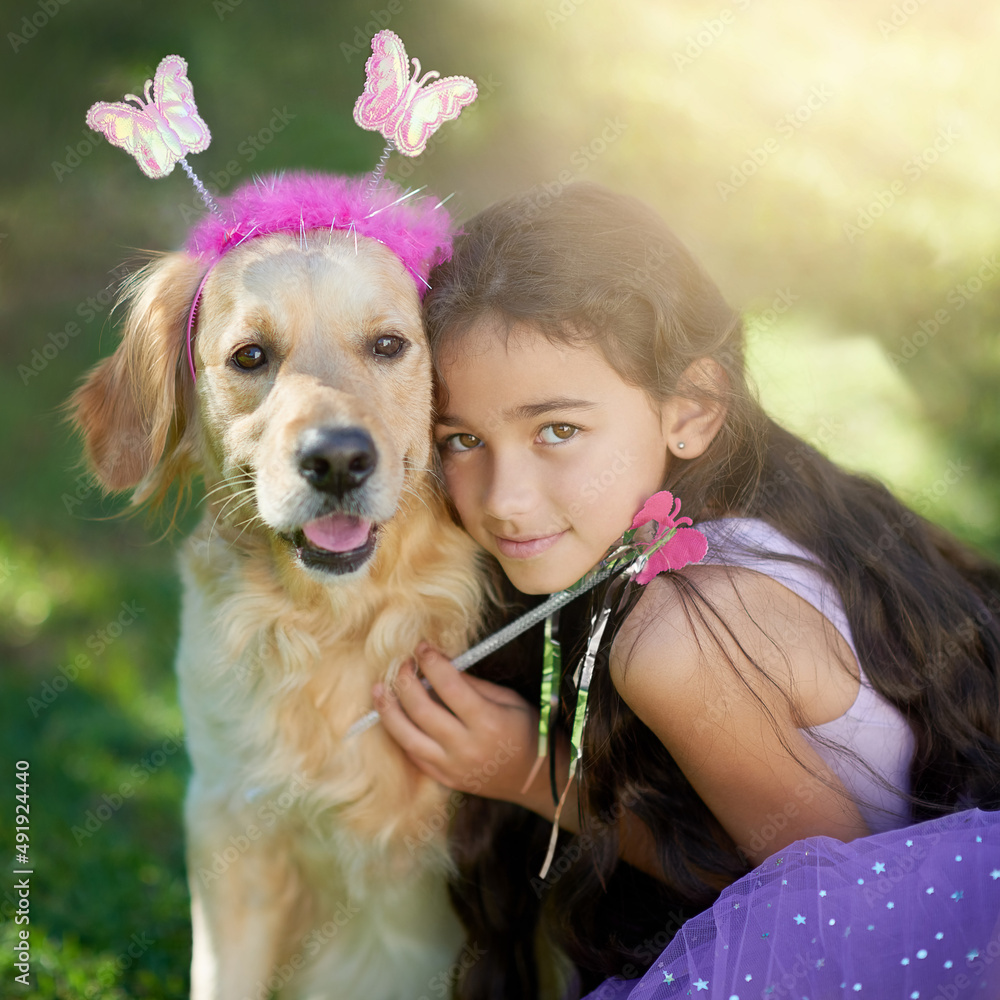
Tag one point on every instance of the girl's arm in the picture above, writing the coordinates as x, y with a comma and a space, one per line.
730, 727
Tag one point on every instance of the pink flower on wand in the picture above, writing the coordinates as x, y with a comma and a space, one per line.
673, 546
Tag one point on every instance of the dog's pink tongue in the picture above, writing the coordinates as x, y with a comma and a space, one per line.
337, 532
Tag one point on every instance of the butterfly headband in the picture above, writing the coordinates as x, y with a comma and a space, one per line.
163, 129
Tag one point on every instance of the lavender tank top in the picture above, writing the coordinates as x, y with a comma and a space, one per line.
872, 728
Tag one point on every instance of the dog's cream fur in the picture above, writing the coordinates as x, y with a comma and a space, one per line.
311, 867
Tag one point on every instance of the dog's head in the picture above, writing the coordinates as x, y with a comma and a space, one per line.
310, 416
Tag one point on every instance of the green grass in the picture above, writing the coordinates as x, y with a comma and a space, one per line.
90, 703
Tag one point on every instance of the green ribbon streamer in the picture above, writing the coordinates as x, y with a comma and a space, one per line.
551, 670
583, 675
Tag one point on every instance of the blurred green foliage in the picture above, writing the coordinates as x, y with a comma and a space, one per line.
791, 145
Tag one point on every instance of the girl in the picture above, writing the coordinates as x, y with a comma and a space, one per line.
819, 697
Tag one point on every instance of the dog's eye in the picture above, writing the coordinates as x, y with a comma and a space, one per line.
251, 356
388, 346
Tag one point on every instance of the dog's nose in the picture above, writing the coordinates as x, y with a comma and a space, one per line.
337, 460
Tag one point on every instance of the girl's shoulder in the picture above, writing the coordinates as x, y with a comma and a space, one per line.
692, 619
739, 625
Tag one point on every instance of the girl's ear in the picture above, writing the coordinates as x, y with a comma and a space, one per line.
692, 421
133, 410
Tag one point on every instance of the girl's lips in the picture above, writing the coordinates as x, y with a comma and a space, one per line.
528, 547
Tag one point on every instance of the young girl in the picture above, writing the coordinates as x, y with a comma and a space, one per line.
818, 697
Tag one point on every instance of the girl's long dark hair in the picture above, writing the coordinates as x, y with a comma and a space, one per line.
592, 266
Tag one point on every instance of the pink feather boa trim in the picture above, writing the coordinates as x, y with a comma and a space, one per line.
417, 230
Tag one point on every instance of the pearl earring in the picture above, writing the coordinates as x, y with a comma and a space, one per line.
680, 445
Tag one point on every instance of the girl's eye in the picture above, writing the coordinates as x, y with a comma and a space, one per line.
388, 346
250, 357
461, 442
555, 433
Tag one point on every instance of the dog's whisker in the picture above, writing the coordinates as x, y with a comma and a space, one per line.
232, 478
211, 530
253, 517
229, 508
243, 525
434, 474
234, 502
225, 485
238, 498
215, 521
408, 490
235, 477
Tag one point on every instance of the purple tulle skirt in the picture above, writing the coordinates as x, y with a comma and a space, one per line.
910, 914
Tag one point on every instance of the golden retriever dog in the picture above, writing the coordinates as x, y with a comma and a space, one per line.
325, 554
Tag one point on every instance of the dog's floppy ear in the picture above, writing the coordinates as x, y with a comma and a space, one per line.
134, 408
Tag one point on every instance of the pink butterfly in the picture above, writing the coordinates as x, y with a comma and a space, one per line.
160, 131
405, 109
673, 546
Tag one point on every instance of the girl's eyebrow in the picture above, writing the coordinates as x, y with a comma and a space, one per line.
526, 411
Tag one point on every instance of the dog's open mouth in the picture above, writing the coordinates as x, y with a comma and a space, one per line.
339, 543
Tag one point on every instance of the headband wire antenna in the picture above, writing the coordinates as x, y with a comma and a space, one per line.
379, 172
200, 187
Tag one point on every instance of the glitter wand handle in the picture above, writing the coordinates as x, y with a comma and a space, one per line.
493, 642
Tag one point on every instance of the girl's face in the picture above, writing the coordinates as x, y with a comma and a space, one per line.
547, 453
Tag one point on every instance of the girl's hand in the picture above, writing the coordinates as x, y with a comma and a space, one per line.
480, 738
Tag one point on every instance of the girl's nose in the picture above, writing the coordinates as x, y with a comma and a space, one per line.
509, 491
